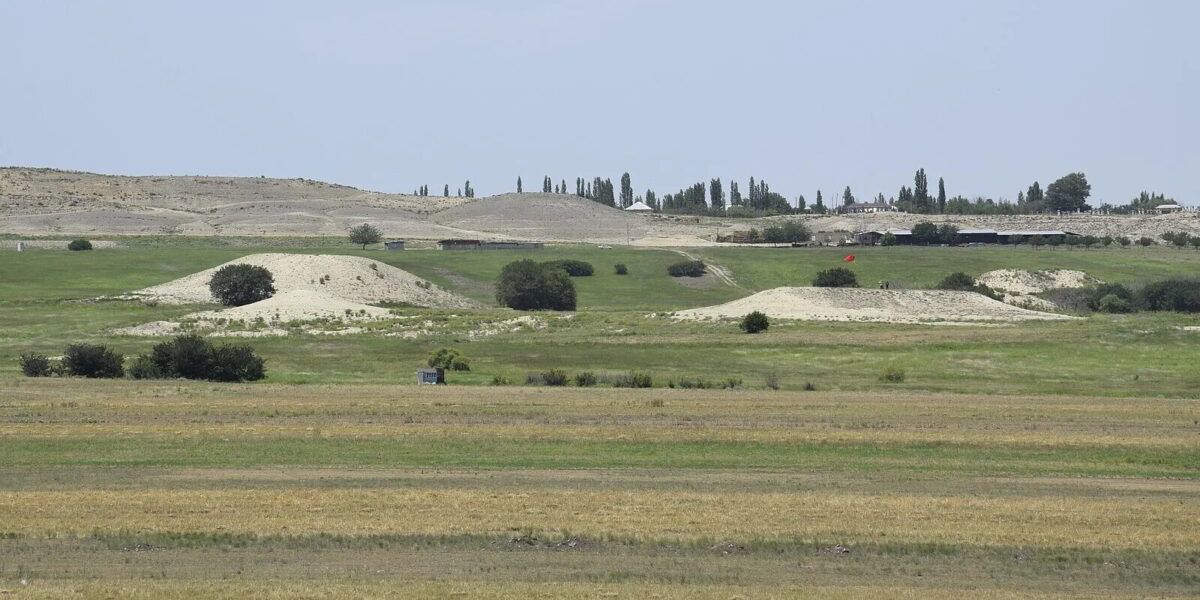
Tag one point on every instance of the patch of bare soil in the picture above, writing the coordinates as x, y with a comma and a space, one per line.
870, 305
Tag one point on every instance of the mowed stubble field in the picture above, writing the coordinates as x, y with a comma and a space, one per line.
1048, 460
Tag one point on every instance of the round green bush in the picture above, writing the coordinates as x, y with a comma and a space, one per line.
837, 277
574, 268
93, 360
238, 285
35, 365
1113, 303
621, 269
79, 245
526, 285
755, 322
687, 268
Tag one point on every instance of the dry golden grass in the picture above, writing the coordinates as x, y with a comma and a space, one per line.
1114, 523
288, 590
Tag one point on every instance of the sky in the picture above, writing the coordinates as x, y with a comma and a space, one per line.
390, 95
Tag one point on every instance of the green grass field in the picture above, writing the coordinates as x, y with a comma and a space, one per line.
1041, 460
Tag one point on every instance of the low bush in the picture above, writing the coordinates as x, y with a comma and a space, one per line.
755, 322
238, 285
772, 382
501, 380
837, 277
1179, 295
574, 268
963, 282
35, 365
1075, 300
93, 360
809, 387
620, 269
791, 231
79, 245
533, 379
554, 377
449, 359
687, 268
526, 285
1103, 290
633, 380
892, 375
194, 357
1145, 241
1115, 304
585, 379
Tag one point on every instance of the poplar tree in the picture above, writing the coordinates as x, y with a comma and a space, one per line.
446, 191
716, 193
626, 190
847, 197
735, 195
941, 199
519, 184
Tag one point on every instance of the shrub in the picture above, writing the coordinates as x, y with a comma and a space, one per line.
1124, 241
143, 367
193, 357
633, 380
1145, 241
365, 234
1179, 295
585, 379
957, 281
1195, 241
1016, 240
533, 379
925, 233
238, 285
772, 381
501, 380
1078, 300
1113, 303
1107, 241
187, 356
837, 277
449, 359
554, 377
892, 375
755, 322
93, 360
1098, 292
35, 365
78, 245
526, 285
236, 363
809, 387
574, 268
1037, 241
622, 270
888, 239
791, 231
687, 268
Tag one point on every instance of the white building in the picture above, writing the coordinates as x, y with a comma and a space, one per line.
639, 207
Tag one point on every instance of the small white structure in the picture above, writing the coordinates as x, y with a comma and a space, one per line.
1164, 209
20, 246
639, 207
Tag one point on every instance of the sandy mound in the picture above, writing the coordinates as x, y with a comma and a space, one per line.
886, 306
296, 305
352, 279
1016, 281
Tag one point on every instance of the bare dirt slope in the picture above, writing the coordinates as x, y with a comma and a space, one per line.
885, 306
42, 202
349, 278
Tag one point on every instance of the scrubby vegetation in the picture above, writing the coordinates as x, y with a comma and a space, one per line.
892, 375
837, 277
238, 285
574, 268
687, 268
962, 282
755, 322
449, 359
791, 231
35, 365
1178, 295
194, 357
93, 361
79, 245
621, 269
526, 285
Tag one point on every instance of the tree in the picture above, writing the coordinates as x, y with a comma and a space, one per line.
446, 191
468, 190
626, 191
1069, 193
941, 199
365, 234
800, 204
735, 195
1034, 197
791, 231
526, 285
651, 199
448, 358
241, 284
888, 239
755, 322
847, 197
925, 233
519, 190
716, 194
547, 184
563, 187
837, 277
921, 201
819, 207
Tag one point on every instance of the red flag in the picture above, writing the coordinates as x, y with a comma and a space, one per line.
849, 258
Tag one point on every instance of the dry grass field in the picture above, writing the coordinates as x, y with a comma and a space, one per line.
172, 490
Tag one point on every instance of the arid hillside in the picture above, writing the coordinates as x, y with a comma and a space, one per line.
46, 202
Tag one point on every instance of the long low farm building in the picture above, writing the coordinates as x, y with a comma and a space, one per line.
904, 237
486, 245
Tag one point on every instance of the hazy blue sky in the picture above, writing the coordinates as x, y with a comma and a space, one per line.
391, 95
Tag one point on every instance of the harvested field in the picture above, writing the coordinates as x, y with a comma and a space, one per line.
883, 306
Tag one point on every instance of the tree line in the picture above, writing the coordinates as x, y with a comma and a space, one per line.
1068, 193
